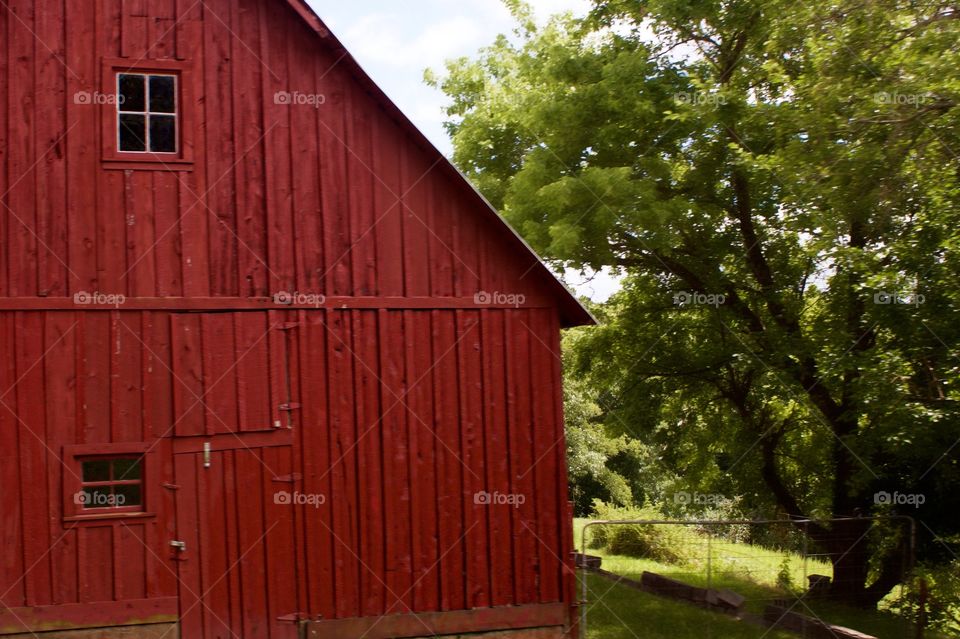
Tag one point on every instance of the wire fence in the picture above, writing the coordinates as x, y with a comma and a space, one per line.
762, 578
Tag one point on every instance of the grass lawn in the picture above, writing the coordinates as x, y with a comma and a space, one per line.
748, 570
617, 612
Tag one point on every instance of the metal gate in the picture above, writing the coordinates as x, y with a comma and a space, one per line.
771, 574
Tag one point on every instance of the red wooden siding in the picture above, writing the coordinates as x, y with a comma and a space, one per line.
340, 199
396, 450
398, 400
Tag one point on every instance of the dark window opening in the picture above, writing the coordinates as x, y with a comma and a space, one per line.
111, 484
147, 113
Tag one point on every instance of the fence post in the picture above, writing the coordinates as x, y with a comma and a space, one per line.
806, 552
709, 558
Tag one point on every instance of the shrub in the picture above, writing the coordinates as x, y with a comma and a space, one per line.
662, 543
940, 597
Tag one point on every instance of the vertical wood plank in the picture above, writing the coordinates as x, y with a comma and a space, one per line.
253, 372
126, 395
497, 467
423, 423
188, 531
96, 556
13, 594
548, 444
219, 45
274, 31
5, 134
476, 513
417, 200
193, 186
333, 176
387, 192
359, 125
307, 241
248, 154
343, 474
94, 367
280, 556
130, 559
220, 358
59, 364
521, 459
166, 248
251, 560
318, 466
23, 156
161, 29
81, 143
215, 560
139, 197
397, 516
51, 174
449, 465
188, 374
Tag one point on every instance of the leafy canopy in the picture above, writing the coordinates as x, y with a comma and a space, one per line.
778, 184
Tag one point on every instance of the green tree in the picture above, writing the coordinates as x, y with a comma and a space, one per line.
778, 184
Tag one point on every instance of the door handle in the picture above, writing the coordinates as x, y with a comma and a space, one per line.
179, 545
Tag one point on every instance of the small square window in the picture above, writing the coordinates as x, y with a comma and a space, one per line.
146, 113
110, 484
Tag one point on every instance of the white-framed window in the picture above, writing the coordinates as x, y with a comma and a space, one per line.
147, 113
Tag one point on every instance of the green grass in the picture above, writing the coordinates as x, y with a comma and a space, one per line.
618, 612
748, 570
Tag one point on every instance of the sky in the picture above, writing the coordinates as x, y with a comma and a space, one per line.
396, 41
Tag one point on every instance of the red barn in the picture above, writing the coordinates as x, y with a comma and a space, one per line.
271, 367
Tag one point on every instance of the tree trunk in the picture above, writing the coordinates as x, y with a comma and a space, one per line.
850, 553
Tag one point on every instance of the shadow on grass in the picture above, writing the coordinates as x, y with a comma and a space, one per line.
618, 612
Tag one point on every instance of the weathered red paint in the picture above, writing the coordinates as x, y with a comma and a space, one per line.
390, 386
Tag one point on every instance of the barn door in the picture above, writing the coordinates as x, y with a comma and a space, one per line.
235, 543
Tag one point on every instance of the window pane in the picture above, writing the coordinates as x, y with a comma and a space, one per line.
163, 134
162, 94
132, 93
132, 132
98, 498
128, 495
96, 470
126, 469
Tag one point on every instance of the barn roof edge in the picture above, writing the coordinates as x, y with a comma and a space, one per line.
572, 311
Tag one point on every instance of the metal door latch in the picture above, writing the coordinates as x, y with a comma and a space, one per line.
179, 545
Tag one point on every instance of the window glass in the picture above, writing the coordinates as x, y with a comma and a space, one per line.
133, 136
126, 469
163, 134
147, 113
96, 471
132, 95
113, 483
162, 94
